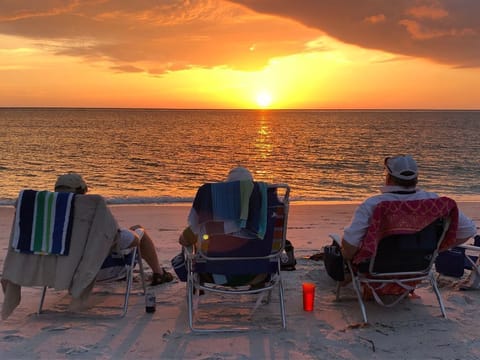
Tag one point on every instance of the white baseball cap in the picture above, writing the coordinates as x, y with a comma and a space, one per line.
402, 167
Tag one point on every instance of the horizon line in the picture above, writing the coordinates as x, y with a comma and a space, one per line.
234, 109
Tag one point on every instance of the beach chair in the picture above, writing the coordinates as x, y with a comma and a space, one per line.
87, 231
400, 248
234, 258
118, 265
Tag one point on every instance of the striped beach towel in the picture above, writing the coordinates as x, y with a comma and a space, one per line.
43, 222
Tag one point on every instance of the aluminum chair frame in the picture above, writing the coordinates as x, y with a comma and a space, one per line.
473, 281
194, 284
401, 278
129, 266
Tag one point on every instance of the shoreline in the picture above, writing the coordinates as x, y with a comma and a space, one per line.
292, 202
459, 198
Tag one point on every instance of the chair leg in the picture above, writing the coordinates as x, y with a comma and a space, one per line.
190, 288
129, 279
142, 272
281, 294
42, 299
136, 255
356, 287
337, 291
433, 282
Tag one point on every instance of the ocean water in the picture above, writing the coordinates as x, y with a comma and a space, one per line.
162, 156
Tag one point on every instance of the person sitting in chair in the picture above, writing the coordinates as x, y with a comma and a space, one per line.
401, 178
190, 235
128, 238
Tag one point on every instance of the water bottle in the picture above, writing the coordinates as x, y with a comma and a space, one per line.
150, 301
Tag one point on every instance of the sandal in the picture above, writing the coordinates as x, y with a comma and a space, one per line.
158, 279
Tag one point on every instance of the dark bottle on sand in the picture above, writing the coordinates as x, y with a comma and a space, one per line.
150, 301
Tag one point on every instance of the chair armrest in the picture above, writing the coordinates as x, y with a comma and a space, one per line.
469, 247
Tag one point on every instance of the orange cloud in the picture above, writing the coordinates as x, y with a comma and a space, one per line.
419, 32
154, 36
430, 12
375, 19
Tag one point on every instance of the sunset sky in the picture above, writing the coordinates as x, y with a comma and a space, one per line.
302, 54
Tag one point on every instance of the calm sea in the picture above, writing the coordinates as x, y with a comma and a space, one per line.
159, 156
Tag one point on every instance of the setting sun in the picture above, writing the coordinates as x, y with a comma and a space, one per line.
264, 99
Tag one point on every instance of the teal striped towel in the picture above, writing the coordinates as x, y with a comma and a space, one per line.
43, 222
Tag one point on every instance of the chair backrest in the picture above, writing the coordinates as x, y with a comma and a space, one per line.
405, 236
232, 254
409, 253
93, 232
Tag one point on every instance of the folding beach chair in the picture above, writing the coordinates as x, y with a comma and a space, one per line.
59, 240
400, 248
235, 258
118, 265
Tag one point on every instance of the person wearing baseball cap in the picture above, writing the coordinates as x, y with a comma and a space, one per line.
403, 169
73, 182
401, 178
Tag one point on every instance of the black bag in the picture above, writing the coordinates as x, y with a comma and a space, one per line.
287, 260
333, 260
451, 262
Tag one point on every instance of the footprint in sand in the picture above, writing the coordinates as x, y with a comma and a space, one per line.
55, 328
11, 336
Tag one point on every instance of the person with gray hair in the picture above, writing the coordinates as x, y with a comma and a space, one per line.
128, 238
189, 234
401, 178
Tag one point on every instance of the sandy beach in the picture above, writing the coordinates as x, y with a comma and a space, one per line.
414, 329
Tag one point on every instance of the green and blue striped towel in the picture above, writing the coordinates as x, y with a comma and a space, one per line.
43, 222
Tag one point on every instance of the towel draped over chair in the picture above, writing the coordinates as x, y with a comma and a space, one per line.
405, 217
400, 248
43, 222
94, 231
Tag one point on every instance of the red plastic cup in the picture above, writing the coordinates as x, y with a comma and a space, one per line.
308, 296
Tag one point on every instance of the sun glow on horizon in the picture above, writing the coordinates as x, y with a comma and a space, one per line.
264, 99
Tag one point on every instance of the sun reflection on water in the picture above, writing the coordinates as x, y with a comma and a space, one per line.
263, 143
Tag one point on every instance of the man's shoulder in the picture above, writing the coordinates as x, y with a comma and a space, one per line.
376, 199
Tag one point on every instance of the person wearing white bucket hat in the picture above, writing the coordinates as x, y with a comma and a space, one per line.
401, 177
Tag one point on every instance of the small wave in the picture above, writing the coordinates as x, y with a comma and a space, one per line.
148, 200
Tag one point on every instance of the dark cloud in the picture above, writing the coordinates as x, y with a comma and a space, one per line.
127, 68
445, 31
